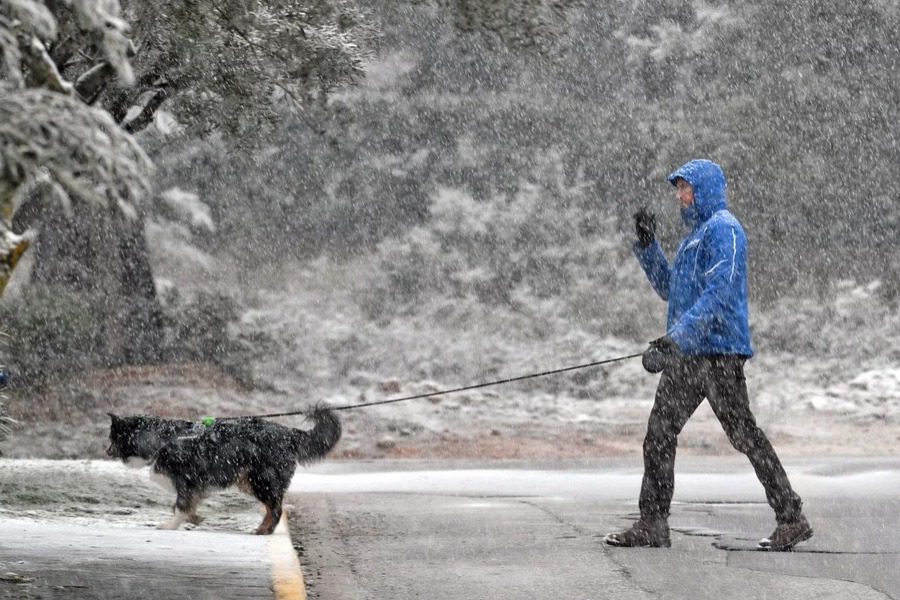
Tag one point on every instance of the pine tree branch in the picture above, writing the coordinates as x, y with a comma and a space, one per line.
82, 150
93, 82
145, 117
42, 66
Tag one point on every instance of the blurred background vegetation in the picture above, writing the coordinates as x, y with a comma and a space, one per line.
486, 163
790, 97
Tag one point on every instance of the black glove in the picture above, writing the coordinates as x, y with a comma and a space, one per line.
660, 354
645, 227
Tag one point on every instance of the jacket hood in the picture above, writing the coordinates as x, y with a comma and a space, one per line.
708, 181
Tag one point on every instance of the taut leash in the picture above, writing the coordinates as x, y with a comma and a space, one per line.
442, 392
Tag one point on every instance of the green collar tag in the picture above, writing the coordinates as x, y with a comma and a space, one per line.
208, 421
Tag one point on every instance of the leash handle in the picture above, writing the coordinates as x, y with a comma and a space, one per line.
449, 391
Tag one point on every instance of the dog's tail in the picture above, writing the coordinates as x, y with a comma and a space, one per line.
318, 441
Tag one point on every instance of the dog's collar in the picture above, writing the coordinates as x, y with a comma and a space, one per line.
196, 429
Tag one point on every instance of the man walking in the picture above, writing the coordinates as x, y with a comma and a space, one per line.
702, 356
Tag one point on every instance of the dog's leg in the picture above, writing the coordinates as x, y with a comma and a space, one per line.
175, 522
185, 511
266, 527
270, 492
270, 521
276, 515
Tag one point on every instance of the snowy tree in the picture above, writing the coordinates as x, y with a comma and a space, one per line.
223, 64
517, 24
104, 69
46, 134
110, 69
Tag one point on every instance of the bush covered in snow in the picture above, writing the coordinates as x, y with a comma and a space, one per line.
206, 330
52, 336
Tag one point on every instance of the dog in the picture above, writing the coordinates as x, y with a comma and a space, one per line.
257, 456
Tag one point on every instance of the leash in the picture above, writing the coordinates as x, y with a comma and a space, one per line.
210, 420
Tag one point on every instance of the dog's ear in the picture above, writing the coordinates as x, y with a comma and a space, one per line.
114, 418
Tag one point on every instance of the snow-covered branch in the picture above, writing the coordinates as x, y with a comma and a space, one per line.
106, 16
27, 27
43, 67
84, 153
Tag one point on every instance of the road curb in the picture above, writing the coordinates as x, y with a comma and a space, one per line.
287, 576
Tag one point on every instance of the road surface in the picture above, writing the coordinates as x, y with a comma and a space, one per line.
398, 530
375, 530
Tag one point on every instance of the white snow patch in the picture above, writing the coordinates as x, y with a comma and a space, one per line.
615, 484
189, 207
873, 393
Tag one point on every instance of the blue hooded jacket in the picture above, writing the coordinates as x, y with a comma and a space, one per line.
706, 285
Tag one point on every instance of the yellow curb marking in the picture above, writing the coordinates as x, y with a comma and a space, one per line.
287, 575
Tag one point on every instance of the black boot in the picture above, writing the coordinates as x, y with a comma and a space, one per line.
787, 535
642, 534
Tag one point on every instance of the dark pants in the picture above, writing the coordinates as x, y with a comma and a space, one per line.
682, 387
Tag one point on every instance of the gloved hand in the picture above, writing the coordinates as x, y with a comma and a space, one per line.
660, 354
645, 227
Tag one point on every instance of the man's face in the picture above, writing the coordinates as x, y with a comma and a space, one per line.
684, 193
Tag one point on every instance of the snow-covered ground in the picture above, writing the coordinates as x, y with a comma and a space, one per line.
601, 481
857, 416
83, 492
825, 378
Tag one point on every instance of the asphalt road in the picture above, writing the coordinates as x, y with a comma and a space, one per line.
370, 531
399, 530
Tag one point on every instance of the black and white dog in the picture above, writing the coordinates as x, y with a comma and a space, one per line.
257, 456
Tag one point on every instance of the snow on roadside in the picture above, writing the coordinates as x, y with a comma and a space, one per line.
85, 492
873, 394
